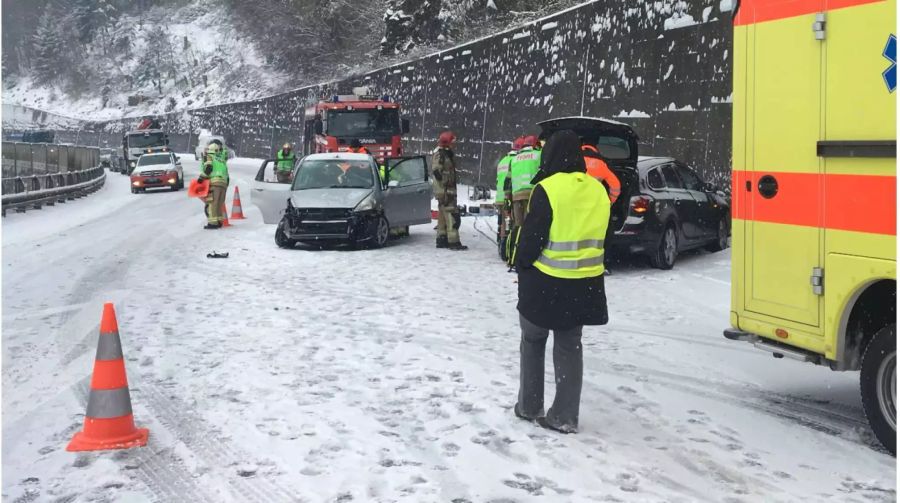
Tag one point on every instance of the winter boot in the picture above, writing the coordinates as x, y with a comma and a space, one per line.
442, 242
212, 226
457, 246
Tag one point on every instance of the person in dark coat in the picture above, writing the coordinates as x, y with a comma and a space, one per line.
561, 304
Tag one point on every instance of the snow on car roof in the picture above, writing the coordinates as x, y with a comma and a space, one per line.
584, 117
348, 156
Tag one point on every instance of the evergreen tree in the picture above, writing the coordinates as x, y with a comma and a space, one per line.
48, 47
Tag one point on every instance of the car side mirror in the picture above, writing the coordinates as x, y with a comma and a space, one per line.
404, 126
709, 187
393, 183
177, 158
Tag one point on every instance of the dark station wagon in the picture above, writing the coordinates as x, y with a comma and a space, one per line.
665, 208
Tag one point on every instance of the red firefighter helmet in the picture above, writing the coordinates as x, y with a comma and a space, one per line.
446, 139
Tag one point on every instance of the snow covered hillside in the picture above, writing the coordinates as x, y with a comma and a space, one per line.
147, 62
389, 375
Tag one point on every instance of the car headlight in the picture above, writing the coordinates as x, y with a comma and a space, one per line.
367, 204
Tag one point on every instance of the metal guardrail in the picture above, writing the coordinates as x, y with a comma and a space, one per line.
38, 174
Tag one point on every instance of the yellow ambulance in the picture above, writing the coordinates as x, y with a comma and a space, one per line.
814, 189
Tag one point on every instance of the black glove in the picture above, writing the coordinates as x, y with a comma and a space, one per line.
437, 175
207, 169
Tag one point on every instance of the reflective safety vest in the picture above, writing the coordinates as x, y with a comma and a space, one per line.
598, 169
523, 169
284, 162
382, 173
580, 208
502, 173
219, 174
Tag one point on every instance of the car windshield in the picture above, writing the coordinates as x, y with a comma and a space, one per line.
146, 140
152, 160
334, 174
362, 123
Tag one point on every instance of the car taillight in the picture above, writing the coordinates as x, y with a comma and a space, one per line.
640, 204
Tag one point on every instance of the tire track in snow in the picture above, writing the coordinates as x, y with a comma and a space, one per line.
168, 480
804, 413
185, 424
794, 409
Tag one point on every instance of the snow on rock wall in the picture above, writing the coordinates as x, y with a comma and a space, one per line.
661, 66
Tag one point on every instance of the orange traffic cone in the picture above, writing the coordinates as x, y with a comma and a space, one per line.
109, 422
237, 213
225, 216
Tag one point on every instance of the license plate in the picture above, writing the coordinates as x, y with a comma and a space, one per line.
151, 180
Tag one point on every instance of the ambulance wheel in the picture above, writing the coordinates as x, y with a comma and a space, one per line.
878, 386
667, 250
281, 238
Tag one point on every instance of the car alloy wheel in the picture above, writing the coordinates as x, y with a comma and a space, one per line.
382, 232
670, 247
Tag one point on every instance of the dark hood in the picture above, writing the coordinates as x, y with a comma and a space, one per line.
561, 154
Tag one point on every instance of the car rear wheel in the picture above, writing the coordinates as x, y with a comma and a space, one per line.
281, 238
878, 386
721, 241
667, 250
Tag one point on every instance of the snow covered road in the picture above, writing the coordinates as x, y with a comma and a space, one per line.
388, 375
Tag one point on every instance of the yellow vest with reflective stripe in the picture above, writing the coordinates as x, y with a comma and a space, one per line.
580, 217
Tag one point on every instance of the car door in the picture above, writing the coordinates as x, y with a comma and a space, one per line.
268, 195
685, 205
407, 196
178, 168
706, 217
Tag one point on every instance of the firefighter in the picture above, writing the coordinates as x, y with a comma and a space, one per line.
284, 163
443, 169
357, 148
223, 151
561, 285
522, 170
501, 202
597, 168
216, 170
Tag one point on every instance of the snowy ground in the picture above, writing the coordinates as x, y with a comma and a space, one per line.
388, 375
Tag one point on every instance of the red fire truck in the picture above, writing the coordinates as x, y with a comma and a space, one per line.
331, 125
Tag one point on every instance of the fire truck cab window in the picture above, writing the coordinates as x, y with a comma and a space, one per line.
361, 123
146, 140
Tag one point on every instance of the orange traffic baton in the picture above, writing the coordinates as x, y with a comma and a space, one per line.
108, 421
237, 212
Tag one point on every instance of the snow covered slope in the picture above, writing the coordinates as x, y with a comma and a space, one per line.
164, 58
389, 375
